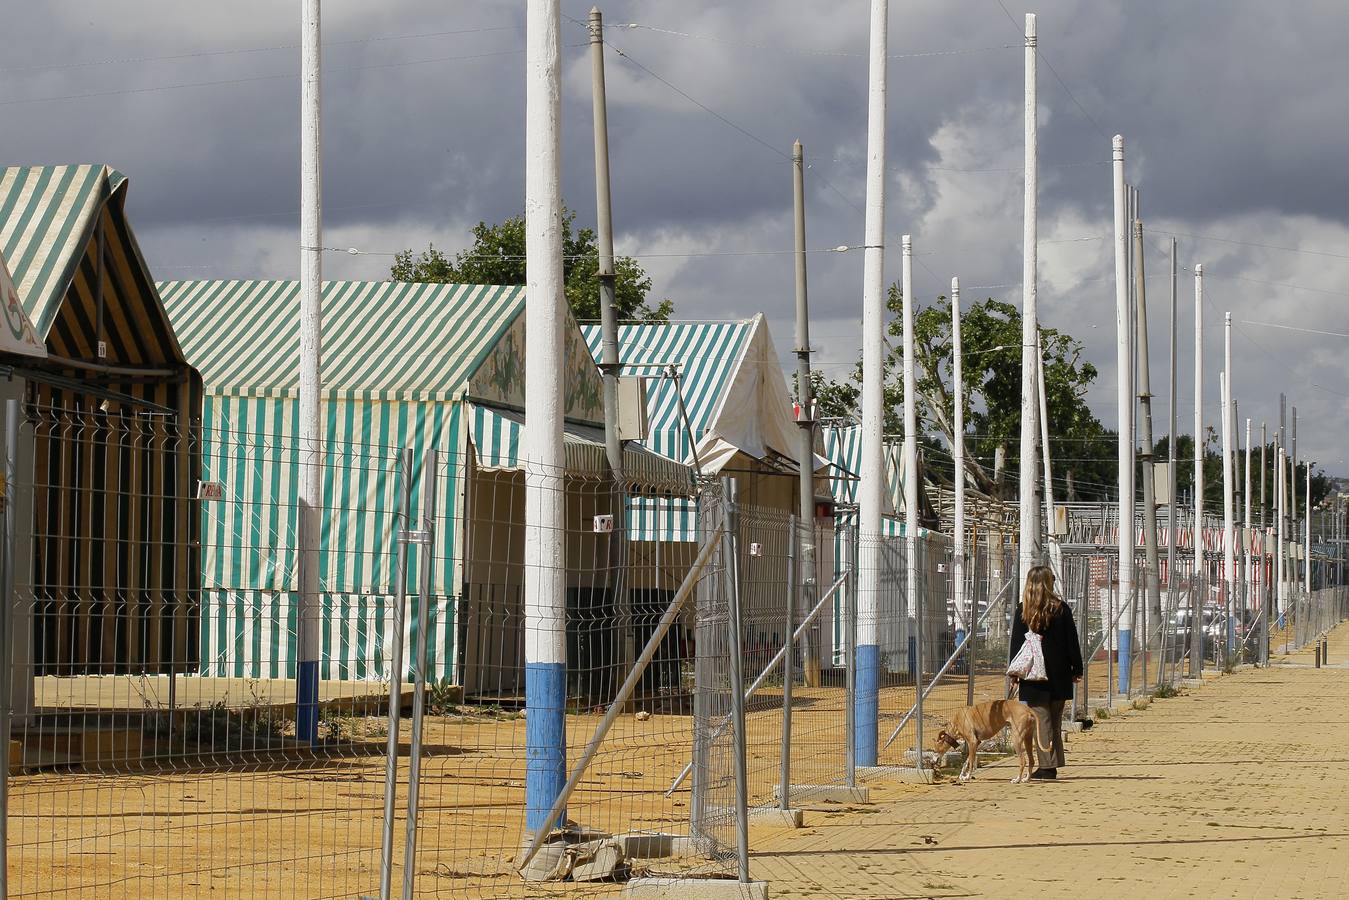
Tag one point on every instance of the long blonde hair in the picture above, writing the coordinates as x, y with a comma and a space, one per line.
1039, 603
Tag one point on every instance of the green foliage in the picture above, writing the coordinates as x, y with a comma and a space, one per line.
497, 256
833, 399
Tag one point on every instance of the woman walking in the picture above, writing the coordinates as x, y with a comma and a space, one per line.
1044, 612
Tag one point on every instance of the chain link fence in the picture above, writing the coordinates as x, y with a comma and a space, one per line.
156, 720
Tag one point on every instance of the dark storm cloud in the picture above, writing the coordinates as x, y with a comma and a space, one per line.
1232, 110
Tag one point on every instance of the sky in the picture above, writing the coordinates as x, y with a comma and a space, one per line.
1233, 116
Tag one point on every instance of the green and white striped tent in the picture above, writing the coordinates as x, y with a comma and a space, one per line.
734, 400
427, 367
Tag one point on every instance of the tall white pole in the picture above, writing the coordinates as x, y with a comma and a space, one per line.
1280, 550
910, 421
1125, 404
1172, 536
1248, 602
915, 600
1030, 551
866, 684
1040, 393
964, 617
311, 352
1199, 428
1307, 533
545, 503
1229, 535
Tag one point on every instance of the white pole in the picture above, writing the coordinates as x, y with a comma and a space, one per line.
1229, 482
1280, 551
1125, 403
1030, 552
1040, 393
910, 422
545, 314
1248, 602
963, 616
866, 684
911, 484
1307, 533
311, 351
1199, 428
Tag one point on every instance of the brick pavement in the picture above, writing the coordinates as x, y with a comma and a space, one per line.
1238, 788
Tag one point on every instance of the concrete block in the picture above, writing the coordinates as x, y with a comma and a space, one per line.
694, 889
824, 793
775, 815
654, 845
902, 774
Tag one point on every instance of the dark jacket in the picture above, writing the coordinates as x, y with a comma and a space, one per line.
1063, 657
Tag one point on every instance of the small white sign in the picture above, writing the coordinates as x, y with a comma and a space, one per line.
102, 349
604, 524
941, 567
756, 549
210, 490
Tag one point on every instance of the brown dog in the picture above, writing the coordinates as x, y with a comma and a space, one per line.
976, 724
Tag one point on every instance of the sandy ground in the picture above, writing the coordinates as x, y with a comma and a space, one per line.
1234, 789
269, 823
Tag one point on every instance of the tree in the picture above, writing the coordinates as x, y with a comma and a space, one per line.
1080, 446
497, 256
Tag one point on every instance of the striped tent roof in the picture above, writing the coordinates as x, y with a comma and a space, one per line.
708, 355
381, 339
49, 222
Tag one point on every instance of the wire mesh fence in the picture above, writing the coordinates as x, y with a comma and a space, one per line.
698, 659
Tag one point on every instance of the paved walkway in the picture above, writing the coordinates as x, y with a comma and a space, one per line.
1238, 788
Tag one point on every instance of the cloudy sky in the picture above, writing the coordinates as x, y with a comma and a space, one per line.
1233, 113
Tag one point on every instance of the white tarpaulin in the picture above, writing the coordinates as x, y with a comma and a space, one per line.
17, 334
753, 414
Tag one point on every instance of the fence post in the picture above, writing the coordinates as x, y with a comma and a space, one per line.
917, 592
426, 562
402, 539
1196, 627
788, 661
11, 434
737, 685
711, 515
850, 655
971, 614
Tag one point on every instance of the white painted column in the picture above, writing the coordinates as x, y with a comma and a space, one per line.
1248, 601
1054, 552
1307, 533
1029, 541
1125, 407
1229, 538
541, 443
910, 437
1199, 428
308, 611
964, 617
1280, 549
872, 483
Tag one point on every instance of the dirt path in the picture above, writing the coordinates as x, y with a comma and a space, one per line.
1234, 789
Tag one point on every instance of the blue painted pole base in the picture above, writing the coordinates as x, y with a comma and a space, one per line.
307, 702
1125, 660
545, 742
866, 704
